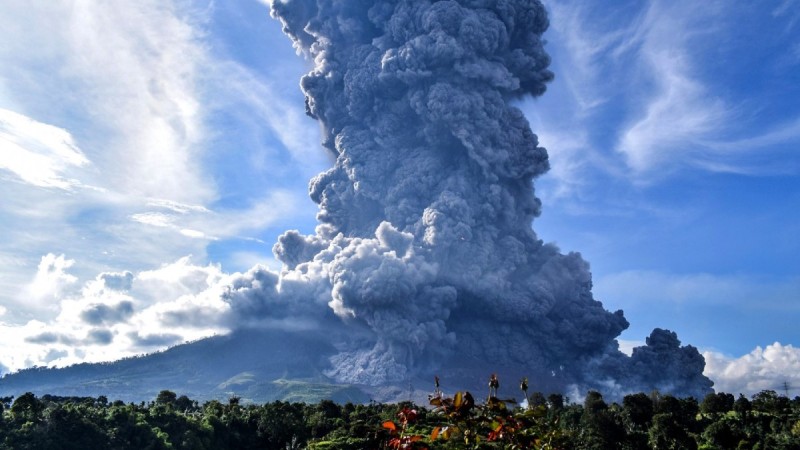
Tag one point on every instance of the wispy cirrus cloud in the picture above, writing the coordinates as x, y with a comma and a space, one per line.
127, 77
270, 100
99, 112
672, 108
638, 85
789, 9
38, 153
221, 223
585, 47
112, 150
686, 119
140, 68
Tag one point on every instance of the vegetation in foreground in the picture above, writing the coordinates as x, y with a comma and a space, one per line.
641, 421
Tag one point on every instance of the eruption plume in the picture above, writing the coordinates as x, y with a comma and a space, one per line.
425, 247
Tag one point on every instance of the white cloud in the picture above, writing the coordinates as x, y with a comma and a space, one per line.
588, 42
128, 73
202, 223
153, 218
125, 81
176, 279
581, 43
176, 206
635, 90
677, 119
273, 101
761, 369
116, 315
759, 154
569, 155
36, 152
137, 85
248, 259
49, 283
626, 102
789, 10
685, 118
627, 346
195, 234
678, 111
141, 65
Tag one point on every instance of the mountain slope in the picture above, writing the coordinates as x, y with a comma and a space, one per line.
258, 366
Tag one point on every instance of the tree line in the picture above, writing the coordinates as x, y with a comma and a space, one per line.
639, 421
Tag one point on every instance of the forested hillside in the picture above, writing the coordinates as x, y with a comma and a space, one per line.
259, 366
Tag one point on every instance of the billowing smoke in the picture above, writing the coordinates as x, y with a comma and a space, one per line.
425, 255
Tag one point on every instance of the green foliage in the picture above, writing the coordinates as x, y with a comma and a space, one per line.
27, 409
717, 403
638, 411
602, 427
641, 421
166, 398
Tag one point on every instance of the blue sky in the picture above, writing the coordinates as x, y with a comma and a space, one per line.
150, 149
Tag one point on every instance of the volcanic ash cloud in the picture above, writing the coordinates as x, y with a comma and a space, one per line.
425, 246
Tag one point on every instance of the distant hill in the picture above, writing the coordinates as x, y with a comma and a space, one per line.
257, 366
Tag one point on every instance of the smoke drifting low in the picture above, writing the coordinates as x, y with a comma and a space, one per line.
425, 247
